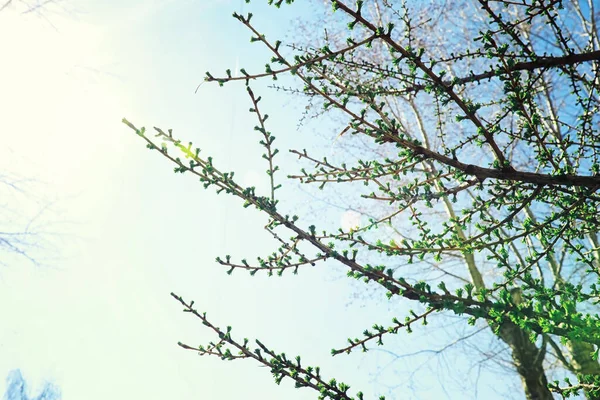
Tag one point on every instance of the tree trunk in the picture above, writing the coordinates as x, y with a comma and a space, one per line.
527, 358
528, 361
582, 362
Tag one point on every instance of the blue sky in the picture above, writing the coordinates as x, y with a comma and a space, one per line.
95, 318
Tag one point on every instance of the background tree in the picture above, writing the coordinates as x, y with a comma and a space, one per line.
27, 226
26, 7
26, 220
485, 151
17, 389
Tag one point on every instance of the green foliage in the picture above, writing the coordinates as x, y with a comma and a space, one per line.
515, 175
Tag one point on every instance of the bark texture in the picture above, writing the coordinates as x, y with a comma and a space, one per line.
582, 362
528, 361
